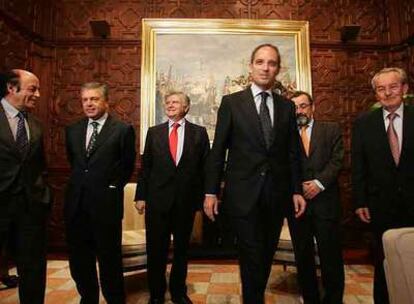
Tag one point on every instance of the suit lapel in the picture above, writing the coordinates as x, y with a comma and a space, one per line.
276, 115
188, 140
380, 136
408, 132
315, 138
165, 143
251, 117
34, 130
5, 132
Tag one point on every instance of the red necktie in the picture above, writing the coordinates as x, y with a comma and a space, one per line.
174, 141
393, 138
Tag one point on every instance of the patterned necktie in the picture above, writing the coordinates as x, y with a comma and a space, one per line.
393, 138
265, 119
173, 140
22, 141
305, 139
92, 140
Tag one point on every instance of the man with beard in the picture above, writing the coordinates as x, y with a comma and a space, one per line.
24, 197
322, 156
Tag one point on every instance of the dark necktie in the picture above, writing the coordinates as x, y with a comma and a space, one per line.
92, 140
173, 141
393, 138
22, 141
265, 119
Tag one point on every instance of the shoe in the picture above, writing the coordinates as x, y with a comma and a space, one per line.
11, 281
183, 300
156, 301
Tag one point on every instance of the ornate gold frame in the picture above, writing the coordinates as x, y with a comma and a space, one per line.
299, 30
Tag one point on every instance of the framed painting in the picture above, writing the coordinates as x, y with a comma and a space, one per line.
209, 58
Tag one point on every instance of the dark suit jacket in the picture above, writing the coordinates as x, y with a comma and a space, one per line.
238, 129
22, 174
99, 181
377, 183
324, 162
161, 182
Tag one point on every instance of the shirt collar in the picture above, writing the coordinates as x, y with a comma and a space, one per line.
257, 90
101, 120
10, 110
181, 122
399, 111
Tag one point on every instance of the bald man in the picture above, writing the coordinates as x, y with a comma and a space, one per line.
24, 196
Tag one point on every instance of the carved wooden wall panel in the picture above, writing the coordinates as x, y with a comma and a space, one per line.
14, 48
54, 39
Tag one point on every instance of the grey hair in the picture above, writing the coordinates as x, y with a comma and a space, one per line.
401, 73
97, 85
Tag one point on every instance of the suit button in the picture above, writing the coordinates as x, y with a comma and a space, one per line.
86, 170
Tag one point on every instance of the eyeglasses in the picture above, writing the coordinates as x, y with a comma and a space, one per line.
303, 106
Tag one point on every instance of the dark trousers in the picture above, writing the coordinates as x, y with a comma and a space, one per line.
327, 235
258, 234
90, 240
402, 219
178, 221
24, 226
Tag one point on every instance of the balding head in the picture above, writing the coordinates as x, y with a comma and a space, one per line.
21, 89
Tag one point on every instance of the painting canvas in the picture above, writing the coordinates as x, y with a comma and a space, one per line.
210, 60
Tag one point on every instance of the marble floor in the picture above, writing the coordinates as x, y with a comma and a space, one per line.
207, 283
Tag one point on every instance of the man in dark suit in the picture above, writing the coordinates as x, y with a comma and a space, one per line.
258, 130
24, 196
322, 156
383, 165
101, 152
170, 190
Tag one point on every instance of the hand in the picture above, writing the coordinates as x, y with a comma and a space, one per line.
300, 205
364, 215
211, 206
140, 206
310, 189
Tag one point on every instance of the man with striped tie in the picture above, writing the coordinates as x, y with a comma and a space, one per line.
170, 190
101, 153
24, 197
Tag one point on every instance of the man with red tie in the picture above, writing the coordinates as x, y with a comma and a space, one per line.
170, 190
383, 165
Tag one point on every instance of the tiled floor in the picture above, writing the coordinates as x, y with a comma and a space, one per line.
207, 283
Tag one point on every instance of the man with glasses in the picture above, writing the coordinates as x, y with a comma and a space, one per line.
383, 165
24, 196
322, 156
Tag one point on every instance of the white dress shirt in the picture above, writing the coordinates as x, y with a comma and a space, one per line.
258, 99
398, 122
11, 114
89, 130
180, 132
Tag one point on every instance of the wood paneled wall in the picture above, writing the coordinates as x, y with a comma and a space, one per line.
53, 38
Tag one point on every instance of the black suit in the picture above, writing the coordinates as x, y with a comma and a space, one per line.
24, 204
172, 195
259, 182
377, 183
94, 207
322, 217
